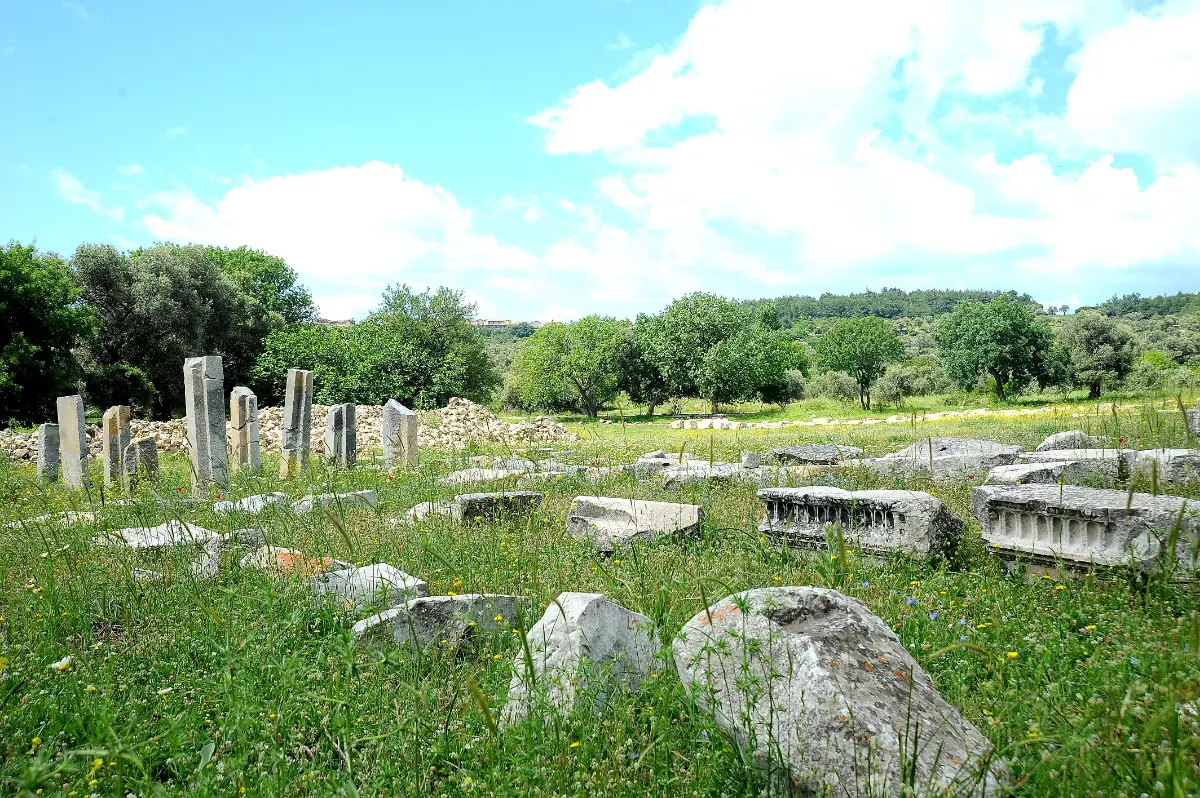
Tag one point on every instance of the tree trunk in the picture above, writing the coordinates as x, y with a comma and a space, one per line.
867, 406
650, 408
714, 406
1094, 391
999, 387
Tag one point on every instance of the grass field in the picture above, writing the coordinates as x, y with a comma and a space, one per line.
241, 685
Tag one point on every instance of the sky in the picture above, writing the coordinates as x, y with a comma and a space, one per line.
555, 158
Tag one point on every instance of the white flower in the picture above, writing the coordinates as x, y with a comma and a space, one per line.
62, 664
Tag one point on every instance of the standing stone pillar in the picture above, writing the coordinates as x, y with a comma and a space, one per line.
47, 462
73, 448
204, 397
297, 422
114, 437
341, 436
140, 461
399, 432
243, 430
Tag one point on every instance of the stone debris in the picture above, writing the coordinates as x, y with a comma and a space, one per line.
47, 453
253, 505
580, 639
1174, 465
356, 588
245, 436
425, 510
653, 464
817, 454
66, 518
73, 446
613, 523
468, 476
204, 399
1071, 439
701, 471
359, 499
474, 507
114, 435
826, 700
168, 535
296, 435
400, 438
140, 462
880, 522
463, 422
944, 458
453, 622
247, 537
289, 562
1083, 528
1053, 472
341, 438
751, 459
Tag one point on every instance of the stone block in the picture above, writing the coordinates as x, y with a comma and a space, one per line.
456, 622
613, 523
1071, 439
880, 522
947, 458
825, 700
169, 535
700, 471
48, 454
73, 447
473, 507
751, 459
114, 439
245, 436
253, 505
356, 588
290, 562
359, 499
1052, 472
817, 454
297, 423
204, 399
467, 476
140, 461
401, 445
341, 436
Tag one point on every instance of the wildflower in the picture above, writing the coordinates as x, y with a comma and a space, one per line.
911, 601
1060, 587
776, 578
497, 656
498, 618
962, 621
91, 688
218, 495
933, 615
165, 690
616, 562
1012, 655
575, 744
866, 584
45, 554
1091, 627
1134, 661
970, 476
62, 664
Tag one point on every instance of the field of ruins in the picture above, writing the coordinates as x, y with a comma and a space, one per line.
934, 605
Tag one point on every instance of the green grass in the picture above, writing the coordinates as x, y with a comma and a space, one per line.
242, 682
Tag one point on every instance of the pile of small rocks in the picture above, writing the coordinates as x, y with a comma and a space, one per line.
463, 422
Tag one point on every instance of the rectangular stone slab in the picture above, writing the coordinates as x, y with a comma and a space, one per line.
399, 435
204, 398
73, 448
297, 423
244, 434
48, 454
611, 522
114, 438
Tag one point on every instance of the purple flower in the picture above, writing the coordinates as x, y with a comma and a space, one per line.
866, 584
1134, 661
911, 601
962, 621
962, 638
933, 615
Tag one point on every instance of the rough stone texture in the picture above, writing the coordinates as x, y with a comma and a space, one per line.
359, 499
341, 437
424, 510
48, 455
472, 507
73, 447
612, 523
356, 588
1082, 528
168, 535
817, 453
581, 638
140, 461
296, 435
247, 537
874, 521
401, 442
1193, 420
700, 471
1174, 465
1116, 463
944, 458
204, 398
1068, 472
289, 562
65, 518
253, 505
467, 476
647, 466
114, 435
463, 422
445, 621
824, 697
245, 437
1071, 439
751, 459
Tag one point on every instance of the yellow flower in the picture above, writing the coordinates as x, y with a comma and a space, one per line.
1060, 587
498, 618
575, 744
496, 656
97, 763
1012, 655
1091, 627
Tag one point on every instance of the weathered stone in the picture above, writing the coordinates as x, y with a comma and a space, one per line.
114, 438
611, 523
1114, 463
445, 621
1052, 472
947, 458
1082, 528
425, 510
700, 471
652, 466
359, 499
399, 433
751, 459
874, 521
247, 537
341, 436
253, 505
518, 464
1193, 421
168, 535
204, 398
245, 437
48, 454
357, 588
817, 453
140, 461
290, 562
467, 476
73, 447
473, 507
1174, 465
583, 646
297, 423
1071, 439
826, 700
65, 518
657, 454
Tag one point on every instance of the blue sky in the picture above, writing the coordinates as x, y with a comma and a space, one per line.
554, 159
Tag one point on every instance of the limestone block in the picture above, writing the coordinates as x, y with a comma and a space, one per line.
751, 459
1071, 439
399, 435
114, 439
253, 505
612, 523
1068, 472
468, 476
297, 423
817, 453
700, 471
140, 461
48, 453
947, 458
359, 499
379, 585
245, 436
473, 507
445, 621
341, 436
204, 399
169, 535
73, 446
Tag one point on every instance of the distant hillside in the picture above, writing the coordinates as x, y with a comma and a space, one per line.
890, 303
1150, 306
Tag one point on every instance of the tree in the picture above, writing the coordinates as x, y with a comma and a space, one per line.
862, 348
1002, 340
267, 279
640, 378
1101, 350
584, 357
41, 321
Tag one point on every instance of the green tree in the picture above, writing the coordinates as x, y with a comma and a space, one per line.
640, 378
41, 321
267, 279
583, 357
1002, 340
1101, 350
862, 348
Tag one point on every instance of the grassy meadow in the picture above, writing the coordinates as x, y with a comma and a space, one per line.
242, 685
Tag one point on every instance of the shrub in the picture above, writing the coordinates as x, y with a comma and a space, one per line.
835, 385
120, 384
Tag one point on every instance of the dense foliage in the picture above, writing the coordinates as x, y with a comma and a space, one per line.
1101, 351
1001, 340
575, 365
1136, 304
267, 280
862, 348
890, 303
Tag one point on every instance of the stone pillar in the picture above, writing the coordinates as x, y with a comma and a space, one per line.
243, 430
114, 437
399, 432
341, 438
297, 422
47, 462
140, 461
204, 397
73, 448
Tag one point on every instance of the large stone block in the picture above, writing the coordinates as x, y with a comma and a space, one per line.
1173, 465
583, 646
701, 472
253, 505
612, 523
467, 476
297, 423
1071, 439
1193, 421
379, 585
356, 500
817, 454
399, 433
48, 453
947, 458
1084, 528
290, 562
204, 398
473, 507
341, 436
114, 438
445, 621
825, 699
140, 461
1053, 472
73, 448
874, 521
245, 437
1110, 464
168, 535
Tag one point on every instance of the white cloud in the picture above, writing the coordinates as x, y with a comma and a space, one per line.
622, 42
122, 242
346, 306
131, 169
70, 189
176, 132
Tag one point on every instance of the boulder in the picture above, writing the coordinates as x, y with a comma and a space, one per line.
424, 510
247, 537
700, 471
1071, 439
583, 646
612, 523
468, 476
1068, 472
290, 562
825, 700
450, 621
253, 505
357, 588
359, 499
751, 459
495, 506
947, 458
816, 453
